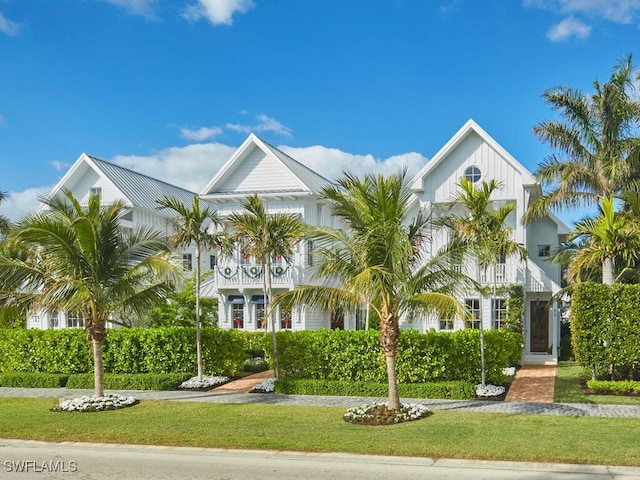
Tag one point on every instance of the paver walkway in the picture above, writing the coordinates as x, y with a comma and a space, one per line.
244, 385
533, 383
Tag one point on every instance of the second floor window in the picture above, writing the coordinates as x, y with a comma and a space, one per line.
187, 262
213, 262
544, 251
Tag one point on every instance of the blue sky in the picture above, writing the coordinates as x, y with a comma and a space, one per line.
171, 88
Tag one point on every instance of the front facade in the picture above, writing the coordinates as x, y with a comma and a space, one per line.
285, 185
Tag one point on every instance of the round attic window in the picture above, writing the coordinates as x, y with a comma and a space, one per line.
472, 174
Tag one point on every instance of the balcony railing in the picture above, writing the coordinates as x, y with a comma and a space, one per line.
246, 275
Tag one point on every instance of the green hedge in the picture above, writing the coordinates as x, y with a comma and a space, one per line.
440, 390
130, 350
605, 328
32, 380
619, 388
142, 381
356, 356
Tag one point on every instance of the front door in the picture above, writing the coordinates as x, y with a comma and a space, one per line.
539, 326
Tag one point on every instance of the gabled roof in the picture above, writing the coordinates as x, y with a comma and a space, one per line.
137, 190
455, 141
294, 177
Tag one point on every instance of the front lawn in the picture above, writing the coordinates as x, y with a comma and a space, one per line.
568, 388
445, 434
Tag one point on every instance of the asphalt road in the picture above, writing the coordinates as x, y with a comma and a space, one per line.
21, 459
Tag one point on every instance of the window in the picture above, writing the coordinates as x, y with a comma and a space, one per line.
53, 320
261, 321
544, 251
285, 318
213, 262
499, 312
75, 320
472, 174
473, 305
446, 324
186, 261
309, 253
95, 191
237, 315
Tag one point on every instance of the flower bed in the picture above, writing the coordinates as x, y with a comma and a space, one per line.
208, 381
379, 414
267, 386
489, 390
110, 401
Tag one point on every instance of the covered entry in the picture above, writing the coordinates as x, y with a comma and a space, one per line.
539, 331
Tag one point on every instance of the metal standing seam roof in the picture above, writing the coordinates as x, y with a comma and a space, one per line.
309, 177
143, 191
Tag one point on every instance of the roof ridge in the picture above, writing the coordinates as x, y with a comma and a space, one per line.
139, 174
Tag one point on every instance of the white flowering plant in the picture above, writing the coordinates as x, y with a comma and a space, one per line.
379, 414
509, 371
207, 381
110, 401
267, 386
489, 390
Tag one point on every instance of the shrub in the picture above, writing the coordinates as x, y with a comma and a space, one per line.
618, 388
440, 390
141, 381
33, 380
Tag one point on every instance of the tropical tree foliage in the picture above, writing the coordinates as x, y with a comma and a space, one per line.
378, 258
4, 221
193, 226
179, 309
480, 231
598, 150
266, 236
81, 261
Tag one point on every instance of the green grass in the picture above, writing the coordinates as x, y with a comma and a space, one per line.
449, 434
568, 388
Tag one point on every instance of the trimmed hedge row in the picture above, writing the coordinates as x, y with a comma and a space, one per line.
605, 328
130, 350
616, 387
442, 390
142, 381
355, 356
32, 380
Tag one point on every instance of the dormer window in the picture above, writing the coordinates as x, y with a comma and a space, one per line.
95, 191
472, 174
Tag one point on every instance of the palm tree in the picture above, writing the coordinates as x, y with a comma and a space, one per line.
265, 236
4, 221
599, 151
480, 230
605, 242
378, 260
83, 262
192, 226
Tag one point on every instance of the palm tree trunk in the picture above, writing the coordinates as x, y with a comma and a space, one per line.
482, 361
198, 338
389, 338
607, 271
98, 367
274, 342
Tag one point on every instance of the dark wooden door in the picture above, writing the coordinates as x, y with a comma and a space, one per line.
539, 326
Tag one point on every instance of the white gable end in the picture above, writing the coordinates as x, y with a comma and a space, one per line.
260, 171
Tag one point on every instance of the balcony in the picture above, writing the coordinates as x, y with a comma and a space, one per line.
239, 276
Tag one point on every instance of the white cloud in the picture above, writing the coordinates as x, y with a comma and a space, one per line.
8, 27
332, 162
18, 204
218, 12
60, 166
200, 134
569, 27
189, 167
617, 11
267, 124
145, 8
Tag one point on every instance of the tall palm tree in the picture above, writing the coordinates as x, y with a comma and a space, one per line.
83, 262
605, 242
598, 147
265, 236
377, 260
193, 225
480, 230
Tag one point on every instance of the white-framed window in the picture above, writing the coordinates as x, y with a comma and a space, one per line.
93, 191
261, 319
473, 305
310, 248
285, 318
54, 321
187, 262
473, 174
75, 320
446, 324
544, 251
213, 262
499, 312
237, 315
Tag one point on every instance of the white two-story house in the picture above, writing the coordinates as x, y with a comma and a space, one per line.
286, 185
